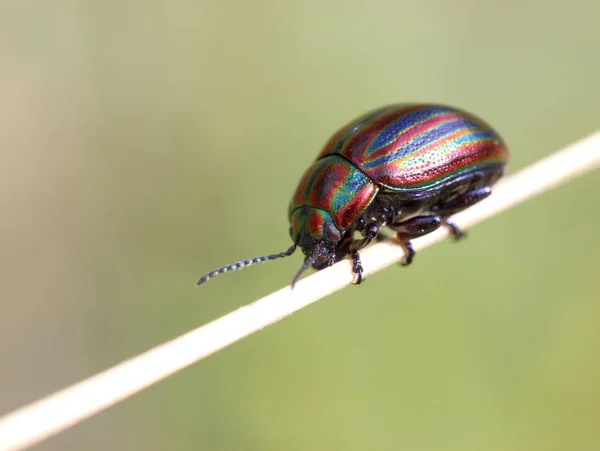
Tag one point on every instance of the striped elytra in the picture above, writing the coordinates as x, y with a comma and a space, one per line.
406, 167
414, 147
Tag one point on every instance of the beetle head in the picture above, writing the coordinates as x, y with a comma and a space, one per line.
315, 232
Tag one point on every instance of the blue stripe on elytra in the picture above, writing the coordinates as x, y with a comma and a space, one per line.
440, 133
389, 133
354, 182
432, 135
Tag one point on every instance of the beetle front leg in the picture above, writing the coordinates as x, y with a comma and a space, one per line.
413, 228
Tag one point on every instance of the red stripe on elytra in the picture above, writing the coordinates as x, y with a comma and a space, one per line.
347, 215
315, 223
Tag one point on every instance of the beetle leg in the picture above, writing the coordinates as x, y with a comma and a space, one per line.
455, 232
357, 267
413, 228
463, 201
417, 226
409, 251
459, 203
331, 260
369, 234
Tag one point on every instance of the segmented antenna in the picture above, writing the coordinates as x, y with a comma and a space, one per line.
244, 263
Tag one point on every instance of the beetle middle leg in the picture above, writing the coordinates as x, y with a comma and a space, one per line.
459, 203
414, 228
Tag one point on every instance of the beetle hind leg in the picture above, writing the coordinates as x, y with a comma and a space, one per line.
414, 228
463, 201
409, 251
455, 232
457, 204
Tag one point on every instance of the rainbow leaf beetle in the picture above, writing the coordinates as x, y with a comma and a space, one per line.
406, 167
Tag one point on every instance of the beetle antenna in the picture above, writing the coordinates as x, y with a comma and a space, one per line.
307, 262
242, 264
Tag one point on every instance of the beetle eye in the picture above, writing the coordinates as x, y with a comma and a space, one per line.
331, 233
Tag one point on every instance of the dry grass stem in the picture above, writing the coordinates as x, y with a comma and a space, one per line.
33, 423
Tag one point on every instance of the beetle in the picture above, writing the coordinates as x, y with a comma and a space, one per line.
405, 167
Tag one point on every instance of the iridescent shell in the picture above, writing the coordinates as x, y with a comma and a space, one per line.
415, 147
412, 150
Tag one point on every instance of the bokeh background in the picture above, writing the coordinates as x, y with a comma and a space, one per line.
143, 143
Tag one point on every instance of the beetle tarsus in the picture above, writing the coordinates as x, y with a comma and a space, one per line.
357, 267
455, 232
409, 251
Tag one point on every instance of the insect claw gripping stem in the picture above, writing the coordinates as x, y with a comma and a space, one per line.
409, 252
243, 263
455, 232
357, 267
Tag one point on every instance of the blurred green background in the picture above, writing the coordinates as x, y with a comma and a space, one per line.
143, 143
